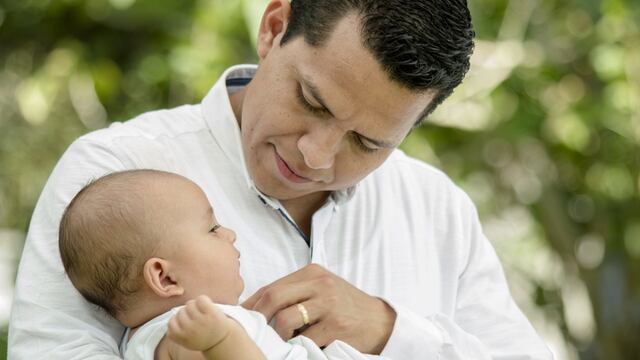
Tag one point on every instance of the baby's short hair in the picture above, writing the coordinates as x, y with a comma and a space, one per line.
107, 234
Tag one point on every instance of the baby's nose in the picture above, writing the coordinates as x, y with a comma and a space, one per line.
231, 236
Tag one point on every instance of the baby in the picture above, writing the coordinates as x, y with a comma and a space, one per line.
141, 244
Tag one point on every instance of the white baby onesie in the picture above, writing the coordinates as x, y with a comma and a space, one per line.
143, 343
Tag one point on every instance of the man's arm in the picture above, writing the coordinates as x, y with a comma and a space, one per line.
49, 318
486, 323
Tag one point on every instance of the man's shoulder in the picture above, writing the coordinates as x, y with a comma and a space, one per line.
416, 182
148, 140
152, 124
405, 169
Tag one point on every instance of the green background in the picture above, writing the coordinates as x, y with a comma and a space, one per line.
544, 134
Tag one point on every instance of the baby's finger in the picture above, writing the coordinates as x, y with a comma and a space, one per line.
205, 305
190, 303
184, 319
191, 311
174, 330
206, 311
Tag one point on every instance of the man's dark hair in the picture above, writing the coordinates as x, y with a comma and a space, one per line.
421, 44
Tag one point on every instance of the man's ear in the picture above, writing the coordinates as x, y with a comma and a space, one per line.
274, 22
158, 277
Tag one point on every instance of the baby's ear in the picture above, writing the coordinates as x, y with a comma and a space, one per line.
159, 279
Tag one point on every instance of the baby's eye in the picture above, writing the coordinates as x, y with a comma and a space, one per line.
214, 228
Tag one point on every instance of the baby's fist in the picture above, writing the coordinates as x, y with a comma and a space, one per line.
199, 325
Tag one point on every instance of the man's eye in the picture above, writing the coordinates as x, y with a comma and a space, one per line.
303, 101
215, 228
361, 144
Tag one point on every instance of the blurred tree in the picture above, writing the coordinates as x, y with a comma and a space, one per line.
544, 134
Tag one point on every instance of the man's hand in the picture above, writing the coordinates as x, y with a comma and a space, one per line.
200, 325
337, 310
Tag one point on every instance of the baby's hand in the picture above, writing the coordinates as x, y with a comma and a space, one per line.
199, 325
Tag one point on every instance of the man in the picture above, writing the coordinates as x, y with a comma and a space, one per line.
341, 235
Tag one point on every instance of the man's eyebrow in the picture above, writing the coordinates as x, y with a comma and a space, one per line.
313, 89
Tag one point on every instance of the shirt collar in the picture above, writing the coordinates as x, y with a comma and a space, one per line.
222, 123
219, 116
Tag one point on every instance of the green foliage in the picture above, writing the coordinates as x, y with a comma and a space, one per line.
544, 133
3, 343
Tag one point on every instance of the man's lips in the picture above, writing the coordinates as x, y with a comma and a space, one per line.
287, 172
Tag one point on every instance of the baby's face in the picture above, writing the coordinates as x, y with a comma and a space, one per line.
202, 251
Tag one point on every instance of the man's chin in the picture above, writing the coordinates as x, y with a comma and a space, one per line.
283, 193
274, 188
283, 190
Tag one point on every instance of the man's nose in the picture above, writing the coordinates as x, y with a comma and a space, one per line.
320, 145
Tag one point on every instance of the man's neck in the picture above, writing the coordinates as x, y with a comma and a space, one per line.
235, 100
302, 209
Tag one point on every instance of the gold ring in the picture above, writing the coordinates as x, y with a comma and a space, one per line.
305, 314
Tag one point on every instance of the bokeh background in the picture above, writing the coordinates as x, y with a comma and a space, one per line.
544, 134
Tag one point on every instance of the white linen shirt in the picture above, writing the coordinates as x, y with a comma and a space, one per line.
406, 234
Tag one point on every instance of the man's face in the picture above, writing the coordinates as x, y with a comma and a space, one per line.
318, 119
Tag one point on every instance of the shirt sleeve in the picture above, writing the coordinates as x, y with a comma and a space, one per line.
486, 324
49, 318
